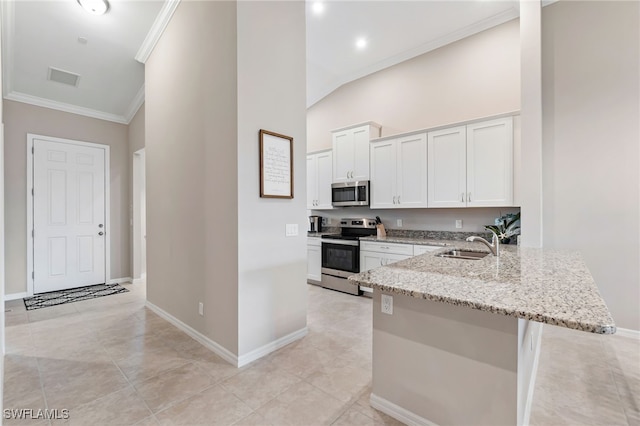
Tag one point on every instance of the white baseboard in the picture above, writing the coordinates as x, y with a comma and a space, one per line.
223, 352
627, 332
272, 346
15, 296
397, 412
208, 343
139, 281
119, 280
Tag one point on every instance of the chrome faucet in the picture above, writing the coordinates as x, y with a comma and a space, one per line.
494, 246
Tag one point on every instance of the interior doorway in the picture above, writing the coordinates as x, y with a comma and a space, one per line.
67, 214
139, 218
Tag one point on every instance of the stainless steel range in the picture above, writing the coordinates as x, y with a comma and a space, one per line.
341, 253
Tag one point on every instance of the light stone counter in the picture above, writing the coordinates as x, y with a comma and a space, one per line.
543, 285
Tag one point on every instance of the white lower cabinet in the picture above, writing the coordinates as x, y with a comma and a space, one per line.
314, 259
374, 254
422, 249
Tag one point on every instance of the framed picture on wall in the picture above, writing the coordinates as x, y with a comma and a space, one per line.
276, 165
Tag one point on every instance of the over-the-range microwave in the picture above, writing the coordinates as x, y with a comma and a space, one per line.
350, 193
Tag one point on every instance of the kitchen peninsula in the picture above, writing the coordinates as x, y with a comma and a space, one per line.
460, 345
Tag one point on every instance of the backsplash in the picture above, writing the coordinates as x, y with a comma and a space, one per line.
435, 235
473, 219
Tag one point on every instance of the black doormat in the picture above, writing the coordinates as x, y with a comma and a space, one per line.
61, 297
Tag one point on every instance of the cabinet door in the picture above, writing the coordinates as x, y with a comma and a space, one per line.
388, 259
325, 176
421, 249
370, 260
312, 181
314, 262
447, 167
343, 155
361, 138
490, 163
383, 175
411, 171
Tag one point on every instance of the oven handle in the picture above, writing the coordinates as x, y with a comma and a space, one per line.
341, 242
337, 273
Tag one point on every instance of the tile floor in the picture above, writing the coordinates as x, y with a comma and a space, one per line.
111, 361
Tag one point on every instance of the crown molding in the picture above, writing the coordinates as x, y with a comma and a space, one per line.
158, 27
135, 105
8, 33
470, 30
60, 106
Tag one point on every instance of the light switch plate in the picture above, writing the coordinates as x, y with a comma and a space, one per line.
399, 223
291, 230
459, 224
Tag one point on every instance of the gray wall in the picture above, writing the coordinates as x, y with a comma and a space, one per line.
591, 57
271, 96
210, 237
136, 134
191, 165
21, 119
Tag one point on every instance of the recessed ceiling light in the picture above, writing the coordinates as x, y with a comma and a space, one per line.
95, 7
361, 43
318, 7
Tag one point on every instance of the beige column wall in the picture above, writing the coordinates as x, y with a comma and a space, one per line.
191, 166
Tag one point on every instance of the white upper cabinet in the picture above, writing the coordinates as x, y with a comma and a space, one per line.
490, 163
472, 165
399, 172
448, 167
383, 175
351, 152
319, 175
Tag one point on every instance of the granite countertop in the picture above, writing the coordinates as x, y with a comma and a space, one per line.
544, 285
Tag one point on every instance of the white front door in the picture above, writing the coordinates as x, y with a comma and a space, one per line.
68, 215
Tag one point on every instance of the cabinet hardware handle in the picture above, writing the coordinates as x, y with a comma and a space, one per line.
394, 200
462, 197
469, 197
380, 261
398, 199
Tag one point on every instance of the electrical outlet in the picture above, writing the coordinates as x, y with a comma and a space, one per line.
459, 224
201, 308
387, 304
399, 223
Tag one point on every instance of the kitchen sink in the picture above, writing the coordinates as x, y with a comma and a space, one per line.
461, 254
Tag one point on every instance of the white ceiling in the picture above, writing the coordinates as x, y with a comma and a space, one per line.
40, 34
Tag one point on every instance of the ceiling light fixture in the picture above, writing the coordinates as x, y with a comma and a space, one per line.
95, 7
318, 7
361, 43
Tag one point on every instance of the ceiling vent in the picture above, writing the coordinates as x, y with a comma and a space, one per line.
64, 77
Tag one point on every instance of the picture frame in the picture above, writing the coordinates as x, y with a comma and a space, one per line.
276, 165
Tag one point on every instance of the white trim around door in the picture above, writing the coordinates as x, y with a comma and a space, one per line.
107, 195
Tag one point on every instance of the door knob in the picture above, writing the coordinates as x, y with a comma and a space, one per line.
100, 226
101, 233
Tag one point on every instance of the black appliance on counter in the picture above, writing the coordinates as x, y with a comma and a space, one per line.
341, 254
315, 224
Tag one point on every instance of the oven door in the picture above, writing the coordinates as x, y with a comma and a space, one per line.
340, 257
